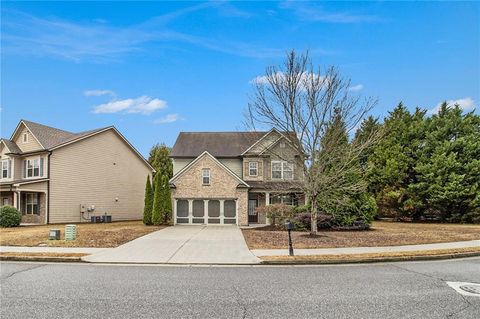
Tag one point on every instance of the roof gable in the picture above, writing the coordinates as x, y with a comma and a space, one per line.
11, 146
196, 160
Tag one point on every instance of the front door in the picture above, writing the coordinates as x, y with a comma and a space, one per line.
252, 212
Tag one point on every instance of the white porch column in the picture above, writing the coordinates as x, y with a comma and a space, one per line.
16, 200
267, 202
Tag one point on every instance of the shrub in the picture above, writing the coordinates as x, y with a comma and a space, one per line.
278, 213
303, 221
157, 201
9, 216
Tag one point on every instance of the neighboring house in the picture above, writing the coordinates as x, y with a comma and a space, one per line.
49, 174
221, 177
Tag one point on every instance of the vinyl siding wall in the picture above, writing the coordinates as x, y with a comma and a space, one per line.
31, 145
97, 171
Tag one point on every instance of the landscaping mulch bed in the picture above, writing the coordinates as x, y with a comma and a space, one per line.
381, 234
88, 235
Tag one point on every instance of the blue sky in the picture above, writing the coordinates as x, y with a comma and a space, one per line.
154, 69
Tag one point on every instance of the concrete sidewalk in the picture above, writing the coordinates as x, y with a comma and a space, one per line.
182, 245
366, 250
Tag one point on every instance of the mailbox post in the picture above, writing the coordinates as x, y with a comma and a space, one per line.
289, 227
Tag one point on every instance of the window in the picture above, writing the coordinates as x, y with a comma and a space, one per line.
282, 144
6, 168
25, 137
289, 199
30, 203
253, 168
33, 167
282, 170
206, 176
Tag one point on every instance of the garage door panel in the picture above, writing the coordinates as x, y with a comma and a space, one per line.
213, 214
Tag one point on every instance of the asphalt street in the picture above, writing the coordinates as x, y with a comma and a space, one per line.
393, 290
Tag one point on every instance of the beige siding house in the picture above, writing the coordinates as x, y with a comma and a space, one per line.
222, 177
55, 176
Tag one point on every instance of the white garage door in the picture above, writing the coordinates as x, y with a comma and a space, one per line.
206, 211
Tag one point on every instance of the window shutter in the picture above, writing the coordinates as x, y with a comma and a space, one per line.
24, 168
9, 168
41, 166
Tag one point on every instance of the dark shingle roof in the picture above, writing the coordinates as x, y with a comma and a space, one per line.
49, 137
11, 146
219, 144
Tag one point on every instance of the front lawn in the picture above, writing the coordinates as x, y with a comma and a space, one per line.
381, 234
88, 235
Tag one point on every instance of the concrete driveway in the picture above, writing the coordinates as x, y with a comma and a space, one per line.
182, 245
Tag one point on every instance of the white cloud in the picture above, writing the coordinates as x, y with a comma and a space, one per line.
143, 105
280, 76
356, 88
169, 118
466, 104
98, 93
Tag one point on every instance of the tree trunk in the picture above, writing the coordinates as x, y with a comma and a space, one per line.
313, 214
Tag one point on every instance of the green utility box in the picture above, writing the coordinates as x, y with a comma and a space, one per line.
54, 234
70, 232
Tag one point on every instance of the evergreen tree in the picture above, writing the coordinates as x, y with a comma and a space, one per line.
157, 216
369, 128
392, 164
147, 210
160, 160
449, 166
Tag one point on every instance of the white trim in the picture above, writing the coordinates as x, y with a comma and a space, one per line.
5, 144
101, 131
31, 182
206, 153
16, 129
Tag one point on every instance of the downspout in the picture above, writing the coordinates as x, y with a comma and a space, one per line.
48, 188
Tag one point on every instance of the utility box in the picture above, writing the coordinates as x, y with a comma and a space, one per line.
107, 218
96, 219
54, 234
70, 232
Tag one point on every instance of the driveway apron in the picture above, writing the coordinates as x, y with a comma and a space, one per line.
182, 245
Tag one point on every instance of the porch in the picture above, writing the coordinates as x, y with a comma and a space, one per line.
258, 198
32, 204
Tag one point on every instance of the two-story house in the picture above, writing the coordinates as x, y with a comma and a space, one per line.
222, 177
55, 176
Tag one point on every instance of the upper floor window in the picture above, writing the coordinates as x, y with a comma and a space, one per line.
253, 168
282, 144
282, 170
206, 176
25, 137
6, 168
33, 167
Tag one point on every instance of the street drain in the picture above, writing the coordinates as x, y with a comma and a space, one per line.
473, 289
465, 288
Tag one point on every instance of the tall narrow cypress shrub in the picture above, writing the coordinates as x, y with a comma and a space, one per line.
157, 202
147, 210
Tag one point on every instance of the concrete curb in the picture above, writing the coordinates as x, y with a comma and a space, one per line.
41, 259
370, 260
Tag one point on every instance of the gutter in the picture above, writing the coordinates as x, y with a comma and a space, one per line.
47, 213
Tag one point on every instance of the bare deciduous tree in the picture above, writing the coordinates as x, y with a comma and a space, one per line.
297, 97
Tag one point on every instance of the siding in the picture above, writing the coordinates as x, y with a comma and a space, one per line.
31, 145
180, 163
96, 171
4, 150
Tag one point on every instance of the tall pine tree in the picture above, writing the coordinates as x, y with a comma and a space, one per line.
157, 216
160, 160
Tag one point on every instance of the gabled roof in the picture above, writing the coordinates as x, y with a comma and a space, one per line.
12, 147
51, 138
205, 153
218, 144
